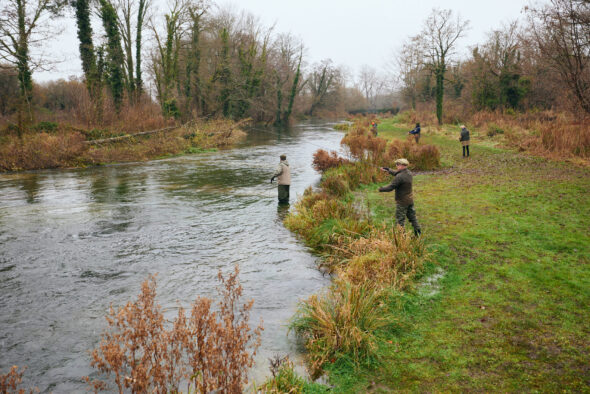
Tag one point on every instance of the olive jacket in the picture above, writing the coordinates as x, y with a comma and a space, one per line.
402, 184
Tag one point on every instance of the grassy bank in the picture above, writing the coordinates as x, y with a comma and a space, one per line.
501, 302
49, 145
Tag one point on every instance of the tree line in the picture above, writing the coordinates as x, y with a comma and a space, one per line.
538, 63
196, 60
202, 61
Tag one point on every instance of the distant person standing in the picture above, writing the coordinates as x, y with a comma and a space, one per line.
404, 199
416, 132
465, 140
283, 175
374, 128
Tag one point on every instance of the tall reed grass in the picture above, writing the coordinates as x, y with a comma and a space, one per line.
341, 321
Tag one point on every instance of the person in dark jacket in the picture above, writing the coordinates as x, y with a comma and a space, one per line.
464, 140
283, 175
404, 199
416, 132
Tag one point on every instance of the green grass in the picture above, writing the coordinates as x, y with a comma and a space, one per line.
509, 237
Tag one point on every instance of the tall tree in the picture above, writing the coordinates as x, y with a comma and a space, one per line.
87, 53
165, 61
561, 32
193, 89
409, 65
439, 37
20, 26
323, 79
142, 10
115, 55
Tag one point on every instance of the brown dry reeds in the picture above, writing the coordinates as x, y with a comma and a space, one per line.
386, 257
322, 160
211, 350
342, 320
41, 150
10, 381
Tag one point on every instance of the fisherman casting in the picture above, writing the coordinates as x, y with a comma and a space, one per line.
283, 175
404, 200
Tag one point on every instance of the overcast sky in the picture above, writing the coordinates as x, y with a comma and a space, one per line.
350, 32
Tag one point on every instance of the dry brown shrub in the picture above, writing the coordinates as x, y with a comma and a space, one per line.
210, 350
421, 157
322, 160
551, 134
41, 150
335, 185
383, 258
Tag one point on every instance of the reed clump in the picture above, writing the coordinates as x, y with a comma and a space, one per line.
344, 320
209, 349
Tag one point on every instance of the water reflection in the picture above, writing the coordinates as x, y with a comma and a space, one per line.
30, 185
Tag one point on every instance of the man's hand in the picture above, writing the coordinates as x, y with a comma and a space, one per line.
385, 169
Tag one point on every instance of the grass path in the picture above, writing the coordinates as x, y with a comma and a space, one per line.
504, 304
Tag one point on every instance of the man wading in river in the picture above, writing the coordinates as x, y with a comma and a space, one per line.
283, 175
404, 200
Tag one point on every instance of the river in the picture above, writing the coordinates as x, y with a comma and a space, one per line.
73, 242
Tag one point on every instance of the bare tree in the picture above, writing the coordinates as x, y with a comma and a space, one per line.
439, 38
371, 84
23, 25
409, 64
324, 79
127, 11
561, 32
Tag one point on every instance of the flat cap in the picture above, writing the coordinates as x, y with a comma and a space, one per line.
403, 162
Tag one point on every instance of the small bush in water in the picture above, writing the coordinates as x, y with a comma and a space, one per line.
211, 350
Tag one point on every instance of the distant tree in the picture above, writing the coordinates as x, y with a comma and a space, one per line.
323, 79
561, 32
409, 63
288, 55
439, 39
115, 58
497, 80
87, 54
370, 83
142, 9
165, 59
23, 25
193, 85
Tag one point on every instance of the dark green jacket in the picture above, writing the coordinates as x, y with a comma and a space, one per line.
464, 135
402, 184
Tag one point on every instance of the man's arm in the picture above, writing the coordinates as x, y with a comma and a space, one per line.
394, 184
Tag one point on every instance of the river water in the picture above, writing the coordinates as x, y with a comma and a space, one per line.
72, 242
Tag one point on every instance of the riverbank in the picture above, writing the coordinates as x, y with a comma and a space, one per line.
501, 301
53, 146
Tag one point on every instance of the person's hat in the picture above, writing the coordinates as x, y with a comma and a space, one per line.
403, 162
462, 126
